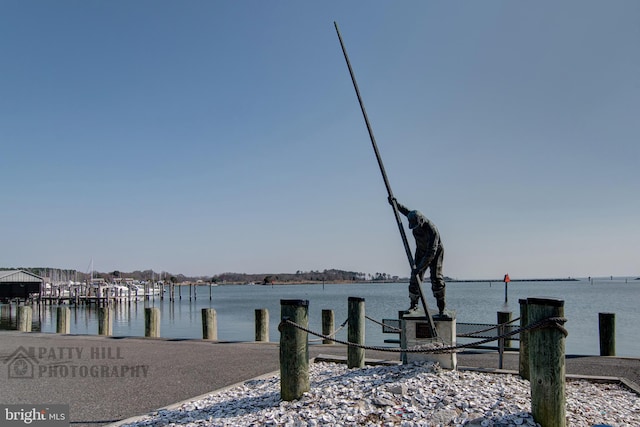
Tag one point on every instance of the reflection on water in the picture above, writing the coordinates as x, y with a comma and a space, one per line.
473, 302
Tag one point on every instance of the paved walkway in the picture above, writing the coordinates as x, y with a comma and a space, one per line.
106, 379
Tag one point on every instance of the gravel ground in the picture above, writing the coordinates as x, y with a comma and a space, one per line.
418, 394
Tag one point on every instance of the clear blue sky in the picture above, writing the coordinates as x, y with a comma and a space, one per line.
205, 137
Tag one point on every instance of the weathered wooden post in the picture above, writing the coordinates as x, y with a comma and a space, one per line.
547, 363
40, 310
209, 324
523, 354
505, 317
262, 324
24, 318
327, 325
105, 321
607, 329
152, 322
355, 332
294, 349
5, 311
63, 323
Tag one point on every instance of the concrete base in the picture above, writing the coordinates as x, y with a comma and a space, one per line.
415, 334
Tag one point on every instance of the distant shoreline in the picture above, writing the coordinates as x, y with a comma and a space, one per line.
568, 279
373, 282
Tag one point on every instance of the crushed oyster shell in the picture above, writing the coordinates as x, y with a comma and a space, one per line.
418, 394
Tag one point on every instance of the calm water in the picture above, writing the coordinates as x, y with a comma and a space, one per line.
473, 302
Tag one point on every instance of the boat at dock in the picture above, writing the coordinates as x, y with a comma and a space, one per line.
99, 290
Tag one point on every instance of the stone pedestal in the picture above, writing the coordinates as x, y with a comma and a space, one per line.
415, 332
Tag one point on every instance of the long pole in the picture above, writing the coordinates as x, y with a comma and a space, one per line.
388, 186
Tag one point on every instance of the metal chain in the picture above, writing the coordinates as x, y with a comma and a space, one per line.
384, 325
471, 334
468, 334
333, 334
550, 322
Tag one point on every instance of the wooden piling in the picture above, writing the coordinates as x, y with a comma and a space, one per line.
39, 309
547, 363
523, 354
105, 321
505, 317
152, 322
294, 349
24, 318
11, 313
63, 321
209, 324
5, 311
262, 324
327, 325
607, 329
355, 332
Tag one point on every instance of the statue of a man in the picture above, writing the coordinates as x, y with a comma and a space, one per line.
429, 254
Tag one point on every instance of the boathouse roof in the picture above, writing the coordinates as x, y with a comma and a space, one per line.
18, 276
18, 284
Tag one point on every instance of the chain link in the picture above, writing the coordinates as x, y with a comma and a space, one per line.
471, 334
384, 325
468, 334
549, 322
333, 334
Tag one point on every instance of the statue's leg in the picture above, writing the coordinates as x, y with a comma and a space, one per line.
414, 293
437, 280
414, 290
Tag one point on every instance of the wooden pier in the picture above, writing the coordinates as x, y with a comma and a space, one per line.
81, 299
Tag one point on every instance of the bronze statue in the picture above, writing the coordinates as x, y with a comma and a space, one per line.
429, 254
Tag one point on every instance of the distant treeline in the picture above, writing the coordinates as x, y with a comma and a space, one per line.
313, 276
333, 275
